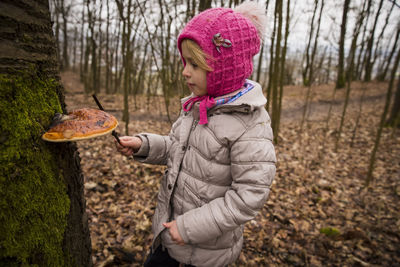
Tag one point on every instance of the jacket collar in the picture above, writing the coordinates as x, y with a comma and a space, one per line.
246, 103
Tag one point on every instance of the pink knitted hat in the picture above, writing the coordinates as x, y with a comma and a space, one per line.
231, 39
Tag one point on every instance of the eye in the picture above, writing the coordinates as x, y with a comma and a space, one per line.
194, 65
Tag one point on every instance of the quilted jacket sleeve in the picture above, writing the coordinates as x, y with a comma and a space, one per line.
253, 170
155, 148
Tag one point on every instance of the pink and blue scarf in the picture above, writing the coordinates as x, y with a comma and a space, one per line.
207, 102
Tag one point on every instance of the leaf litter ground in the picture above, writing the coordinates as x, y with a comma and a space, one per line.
319, 213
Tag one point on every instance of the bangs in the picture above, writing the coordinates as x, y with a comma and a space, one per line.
199, 57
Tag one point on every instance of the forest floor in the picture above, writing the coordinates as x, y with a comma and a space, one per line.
319, 212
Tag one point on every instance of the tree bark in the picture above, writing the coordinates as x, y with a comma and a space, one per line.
65, 13
81, 63
306, 69
204, 4
271, 62
107, 52
275, 80
378, 49
368, 52
383, 118
282, 64
360, 62
43, 220
75, 49
92, 85
394, 119
340, 82
353, 46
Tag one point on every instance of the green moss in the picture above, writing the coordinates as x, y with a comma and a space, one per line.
330, 231
33, 200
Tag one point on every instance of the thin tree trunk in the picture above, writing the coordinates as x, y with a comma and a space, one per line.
204, 4
383, 119
75, 49
353, 46
64, 13
117, 76
340, 82
307, 52
271, 62
353, 137
97, 89
57, 29
282, 67
275, 81
260, 56
86, 76
126, 51
328, 68
382, 76
368, 52
81, 72
394, 119
107, 52
377, 52
310, 63
360, 62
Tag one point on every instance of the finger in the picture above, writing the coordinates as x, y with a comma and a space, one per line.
118, 145
128, 153
167, 225
126, 140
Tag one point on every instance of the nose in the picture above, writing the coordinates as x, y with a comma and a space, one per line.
186, 72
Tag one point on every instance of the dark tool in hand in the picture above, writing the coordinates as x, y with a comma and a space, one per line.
101, 108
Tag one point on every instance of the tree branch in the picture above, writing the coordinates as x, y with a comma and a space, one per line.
394, 2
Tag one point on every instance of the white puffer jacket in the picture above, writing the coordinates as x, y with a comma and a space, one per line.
218, 177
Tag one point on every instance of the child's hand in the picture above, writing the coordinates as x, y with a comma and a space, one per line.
174, 233
129, 145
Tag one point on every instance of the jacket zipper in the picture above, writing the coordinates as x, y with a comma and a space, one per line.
194, 123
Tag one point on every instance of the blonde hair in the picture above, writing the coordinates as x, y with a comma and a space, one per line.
198, 55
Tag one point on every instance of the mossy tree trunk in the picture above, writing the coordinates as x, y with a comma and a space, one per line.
42, 207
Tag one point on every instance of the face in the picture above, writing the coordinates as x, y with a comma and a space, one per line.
196, 77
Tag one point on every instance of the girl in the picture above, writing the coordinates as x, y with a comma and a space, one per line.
219, 153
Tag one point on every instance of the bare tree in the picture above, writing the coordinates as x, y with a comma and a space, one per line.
204, 4
108, 52
361, 50
340, 81
368, 53
92, 83
394, 119
307, 52
350, 72
65, 10
75, 48
308, 75
81, 61
282, 64
271, 59
275, 79
383, 72
378, 48
126, 18
383, 118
